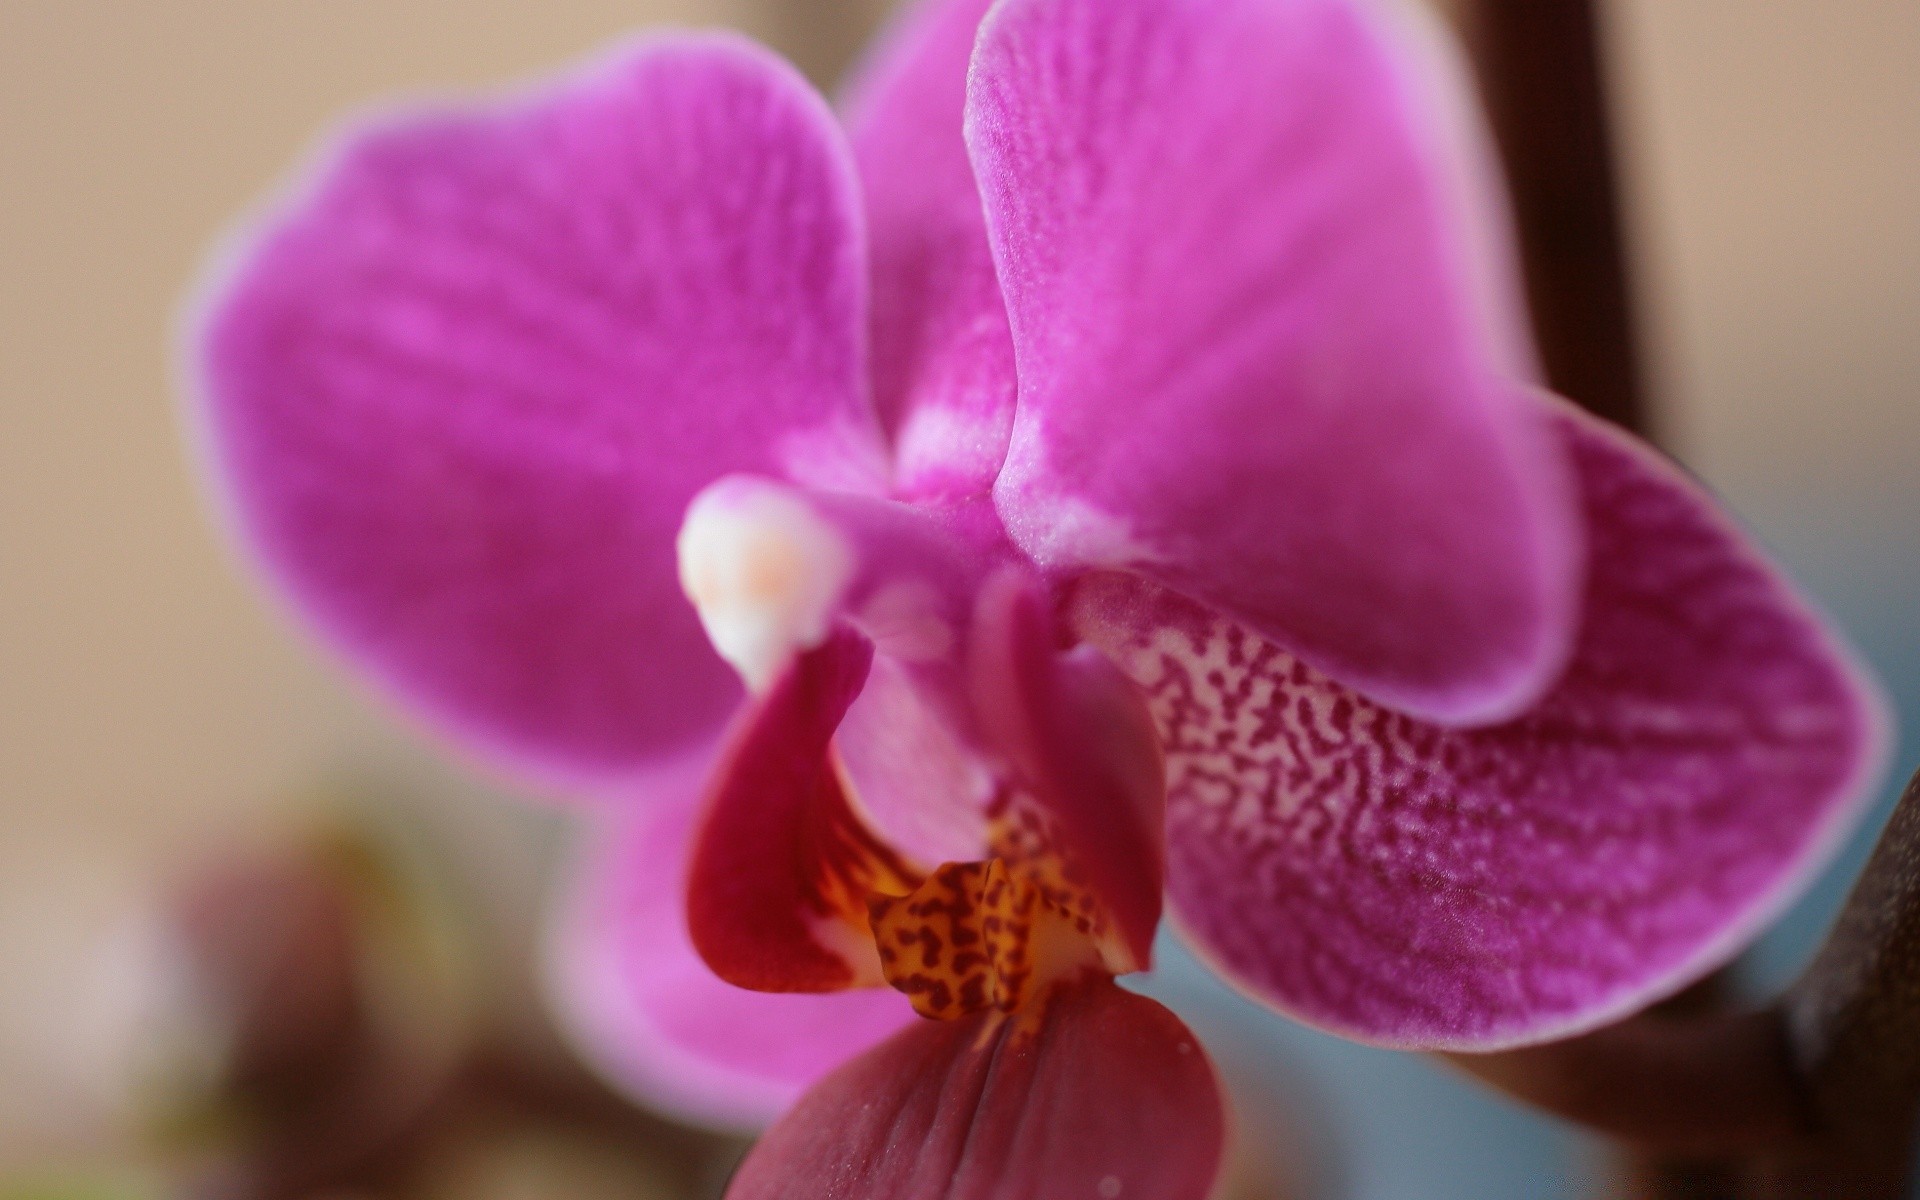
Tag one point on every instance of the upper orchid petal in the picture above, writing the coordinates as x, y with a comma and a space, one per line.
1423, 887
635, 996
942, 355
1102, 1094
1252, 365
460, 392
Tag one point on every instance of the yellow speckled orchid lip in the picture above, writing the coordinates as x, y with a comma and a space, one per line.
997, 934
794, 888
936, 946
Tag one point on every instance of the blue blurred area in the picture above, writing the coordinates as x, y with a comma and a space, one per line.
1385, 1125
1867, 573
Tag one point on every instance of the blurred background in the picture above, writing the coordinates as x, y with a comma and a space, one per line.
156, 717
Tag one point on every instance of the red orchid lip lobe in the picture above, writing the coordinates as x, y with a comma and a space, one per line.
780, 864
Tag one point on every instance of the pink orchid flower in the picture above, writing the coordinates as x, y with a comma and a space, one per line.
1106, 461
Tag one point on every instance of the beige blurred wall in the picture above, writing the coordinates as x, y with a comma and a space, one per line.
1774, 154
145, 693
1774, 150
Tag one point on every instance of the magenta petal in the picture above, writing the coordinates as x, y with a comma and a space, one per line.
1103, 1095
1422, 887
942, 356
1253, 363
460, 391
644, 1009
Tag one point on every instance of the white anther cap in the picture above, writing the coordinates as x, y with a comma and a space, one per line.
764, 570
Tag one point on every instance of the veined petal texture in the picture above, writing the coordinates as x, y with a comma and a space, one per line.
1423, 887
459, 391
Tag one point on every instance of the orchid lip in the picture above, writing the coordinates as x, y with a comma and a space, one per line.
996, 934
797, 883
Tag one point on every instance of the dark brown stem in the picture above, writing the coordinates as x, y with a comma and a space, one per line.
1853, 1027
1680, 1085
1854, 1017
1541, 75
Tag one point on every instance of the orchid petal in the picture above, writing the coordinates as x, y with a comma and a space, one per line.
782, 863
635, 997
1253, 365
1430, 888
942, 356
1103, 1094
460, 391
